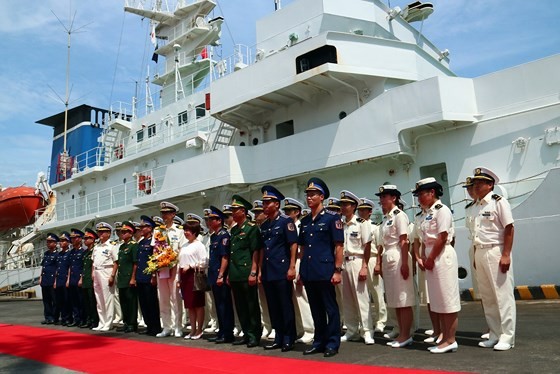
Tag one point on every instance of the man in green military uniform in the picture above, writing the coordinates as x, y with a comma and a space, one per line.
126, 278
246, 243
86, 282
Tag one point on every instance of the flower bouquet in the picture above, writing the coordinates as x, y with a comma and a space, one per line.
164, 257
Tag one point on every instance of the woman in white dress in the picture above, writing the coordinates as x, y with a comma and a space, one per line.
193, 257
440, 261
396, 264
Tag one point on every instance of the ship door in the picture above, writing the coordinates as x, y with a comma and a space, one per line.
438, 171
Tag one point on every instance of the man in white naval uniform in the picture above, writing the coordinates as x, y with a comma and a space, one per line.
304, 321
357, 251
170, 306
493, 241
375, 282
104, 258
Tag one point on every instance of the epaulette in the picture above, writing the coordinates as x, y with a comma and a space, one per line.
162, 227
396, 211
179, 227
332, 212
132, 242
360, 219
113, 242
470, 204
496, 197
419, 213
438, 207
251, 223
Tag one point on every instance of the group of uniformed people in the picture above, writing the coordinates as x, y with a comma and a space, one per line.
298, 273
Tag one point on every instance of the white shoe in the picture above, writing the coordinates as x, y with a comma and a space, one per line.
187, 337
235, 331
306, 338
178, 333
485, 336
265, 333
403, 344
210, 329
502, 346
379, 328
104, 329
164, 333
450, 348
390, 344
430, 339
272, 335
96, 328
241, 333
429, 332
369, 340
349, 338
141, 323
488, 344
391, 335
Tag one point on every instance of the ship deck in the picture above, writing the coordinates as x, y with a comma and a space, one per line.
536, 350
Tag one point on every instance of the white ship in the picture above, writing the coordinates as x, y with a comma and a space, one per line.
345, 90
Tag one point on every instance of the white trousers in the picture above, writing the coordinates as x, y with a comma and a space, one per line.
356, 300
304, 320
170, 306
117, 314
496, 292
265, 315
377, 291
105, 297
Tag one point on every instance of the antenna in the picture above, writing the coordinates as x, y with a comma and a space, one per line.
69, 30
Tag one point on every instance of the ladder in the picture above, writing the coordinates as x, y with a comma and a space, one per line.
224, 136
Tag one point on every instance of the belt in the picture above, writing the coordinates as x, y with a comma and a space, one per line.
352, 258
486, 246
103, 267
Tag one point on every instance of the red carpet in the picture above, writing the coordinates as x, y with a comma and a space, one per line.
98, 354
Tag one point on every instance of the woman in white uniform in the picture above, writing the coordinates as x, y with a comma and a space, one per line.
396, 264
440, 261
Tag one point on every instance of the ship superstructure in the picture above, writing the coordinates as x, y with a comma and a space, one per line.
348, 91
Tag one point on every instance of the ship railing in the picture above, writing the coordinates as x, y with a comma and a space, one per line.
139, 4
182, 28
119, 110
20, 270
112, 197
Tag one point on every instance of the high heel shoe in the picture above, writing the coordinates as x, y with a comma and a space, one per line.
402, 344
450, 348
196, 337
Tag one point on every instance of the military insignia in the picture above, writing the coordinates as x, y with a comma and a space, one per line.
361, 220
338, 224
477, 171
225, 241
291, 227
397, 211
390, 222
496, 197
417, 185
438, 206
418, 214
469, 204
381, 189
429, 217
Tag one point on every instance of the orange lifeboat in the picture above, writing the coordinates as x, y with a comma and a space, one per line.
18, 206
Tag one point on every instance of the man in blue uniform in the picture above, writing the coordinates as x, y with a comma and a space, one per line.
218, 265
46, 279
62, 312
147, 283
75, 299
278, 268
321, 240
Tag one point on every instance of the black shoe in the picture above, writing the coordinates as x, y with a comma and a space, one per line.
240, 342
213, 340
121, 329
45, 322
64, 323
56, 323
312, 351
130, 329
252, 344
72, 324
50, 322
329, 352
224, 340
272, 346
84, 325
287, 347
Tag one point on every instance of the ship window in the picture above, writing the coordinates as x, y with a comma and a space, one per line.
139, 136
317, 57
183, 118
284, 129
200, 111
151, 131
